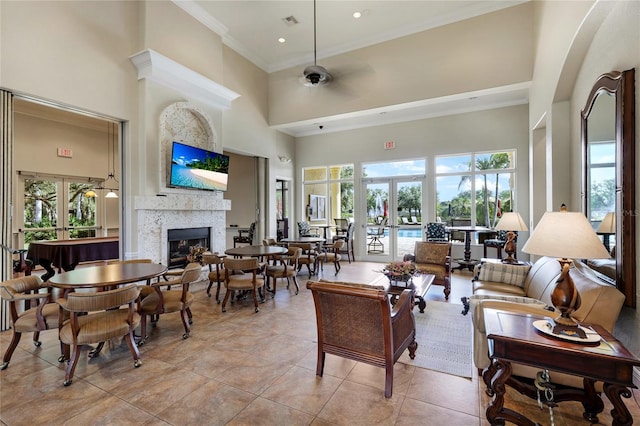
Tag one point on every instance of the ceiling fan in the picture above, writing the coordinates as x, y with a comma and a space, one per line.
316, 75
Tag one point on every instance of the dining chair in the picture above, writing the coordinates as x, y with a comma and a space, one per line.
241, 238
341, 226
158, 301
304, 230
331, 254
242, 275
216, 274
285, 267
308, 258
97, 317
30, 311
348, 241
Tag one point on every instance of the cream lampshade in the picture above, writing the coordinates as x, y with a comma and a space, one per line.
565, 235
511, 221
606, 228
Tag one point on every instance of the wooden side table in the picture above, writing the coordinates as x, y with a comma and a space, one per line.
512, 338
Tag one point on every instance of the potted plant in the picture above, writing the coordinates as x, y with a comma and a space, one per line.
399, 271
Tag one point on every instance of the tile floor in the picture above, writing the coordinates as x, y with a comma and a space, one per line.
246, 368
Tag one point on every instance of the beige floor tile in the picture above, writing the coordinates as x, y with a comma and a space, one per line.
301, 389
444, 390
213, 403
355, 404
264, 412
373, 376
414, 412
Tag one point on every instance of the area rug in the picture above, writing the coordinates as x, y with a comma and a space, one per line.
444, 340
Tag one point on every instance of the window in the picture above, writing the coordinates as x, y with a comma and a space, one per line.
476, 187
328, 193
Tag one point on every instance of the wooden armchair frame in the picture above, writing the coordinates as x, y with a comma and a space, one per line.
378, 341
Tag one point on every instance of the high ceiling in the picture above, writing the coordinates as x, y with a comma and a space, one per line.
252, 28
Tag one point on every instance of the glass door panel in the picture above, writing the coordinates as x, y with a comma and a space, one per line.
58, 209
377, 243
409, 220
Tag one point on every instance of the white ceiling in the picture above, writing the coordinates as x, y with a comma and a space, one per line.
252, 28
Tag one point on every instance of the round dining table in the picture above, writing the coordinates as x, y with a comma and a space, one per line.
256, 251
107, 275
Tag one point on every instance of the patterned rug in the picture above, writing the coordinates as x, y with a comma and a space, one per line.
444, 340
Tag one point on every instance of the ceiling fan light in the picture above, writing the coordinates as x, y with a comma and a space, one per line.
111, 194
316, 75
90, 193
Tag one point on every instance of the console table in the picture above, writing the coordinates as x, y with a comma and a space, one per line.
512, 338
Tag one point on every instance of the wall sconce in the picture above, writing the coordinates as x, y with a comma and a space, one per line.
284, 159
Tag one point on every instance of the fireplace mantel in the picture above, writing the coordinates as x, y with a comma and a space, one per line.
181, 202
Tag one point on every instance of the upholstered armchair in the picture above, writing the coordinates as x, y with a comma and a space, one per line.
245, 237
434, 258
97, 317
304, 230
380, 336
437, 231
28, 317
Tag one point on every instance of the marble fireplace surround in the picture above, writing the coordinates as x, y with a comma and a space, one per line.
158, 214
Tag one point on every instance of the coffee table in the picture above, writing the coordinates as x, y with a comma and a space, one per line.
419, 284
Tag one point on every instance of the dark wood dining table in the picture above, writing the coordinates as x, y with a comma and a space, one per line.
255, 251
107, 276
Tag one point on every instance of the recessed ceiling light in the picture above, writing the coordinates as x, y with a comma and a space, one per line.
281, 40
357, 14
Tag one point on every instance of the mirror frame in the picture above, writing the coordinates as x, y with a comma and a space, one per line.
621, 85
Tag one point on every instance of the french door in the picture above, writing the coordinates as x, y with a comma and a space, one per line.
58, 208
393, 222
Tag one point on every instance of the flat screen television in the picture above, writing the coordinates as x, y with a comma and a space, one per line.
197, 168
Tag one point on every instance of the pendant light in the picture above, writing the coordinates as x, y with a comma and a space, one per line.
112, 154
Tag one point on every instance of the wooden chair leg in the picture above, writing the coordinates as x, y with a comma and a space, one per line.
15, 339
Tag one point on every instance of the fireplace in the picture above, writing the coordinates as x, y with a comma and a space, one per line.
179, 242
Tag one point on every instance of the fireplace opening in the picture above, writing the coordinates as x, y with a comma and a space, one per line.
180, 242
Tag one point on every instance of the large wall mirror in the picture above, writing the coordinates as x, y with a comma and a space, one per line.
608, 140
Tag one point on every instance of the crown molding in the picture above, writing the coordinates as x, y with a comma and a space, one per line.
165, 71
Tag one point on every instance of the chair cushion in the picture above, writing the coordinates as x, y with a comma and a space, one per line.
172, 302
243, 282
98, 327
440, 271
504, 273
27, 321
432, 253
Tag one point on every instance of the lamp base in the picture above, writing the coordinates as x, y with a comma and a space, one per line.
566, 327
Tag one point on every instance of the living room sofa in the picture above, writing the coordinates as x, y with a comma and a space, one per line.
600, 304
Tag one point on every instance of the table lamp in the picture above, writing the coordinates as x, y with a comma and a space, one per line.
511, 221
606, 228
565, 235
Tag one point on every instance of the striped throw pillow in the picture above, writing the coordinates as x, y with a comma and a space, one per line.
504, 273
